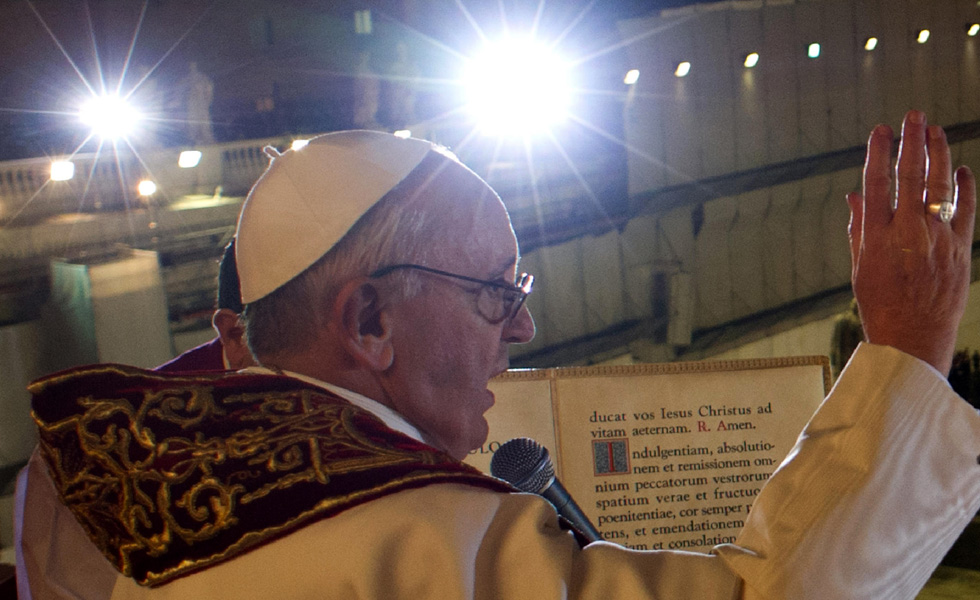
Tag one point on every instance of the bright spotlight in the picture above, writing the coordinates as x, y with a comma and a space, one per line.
751, 60
146, 188
62, 170
923, 36
518, 87
297, 144
632, 76
109, 116
189, 159
682, 69
871, 43
813, 50
403, 133
973, 29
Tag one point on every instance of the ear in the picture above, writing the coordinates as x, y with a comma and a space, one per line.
364, 324
232, 334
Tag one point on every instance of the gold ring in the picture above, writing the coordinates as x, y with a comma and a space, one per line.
944, 211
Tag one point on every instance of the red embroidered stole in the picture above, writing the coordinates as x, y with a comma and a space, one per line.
169, 474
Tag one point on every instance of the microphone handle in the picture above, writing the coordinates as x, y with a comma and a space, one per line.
567, 508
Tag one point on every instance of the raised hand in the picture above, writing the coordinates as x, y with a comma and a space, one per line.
910, 262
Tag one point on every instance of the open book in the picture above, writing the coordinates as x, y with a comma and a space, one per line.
665, 456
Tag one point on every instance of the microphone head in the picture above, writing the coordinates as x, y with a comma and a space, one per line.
523, 463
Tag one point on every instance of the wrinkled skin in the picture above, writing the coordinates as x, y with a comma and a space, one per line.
910, 271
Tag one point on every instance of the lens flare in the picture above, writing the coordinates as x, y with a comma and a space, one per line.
518, 87
110, 117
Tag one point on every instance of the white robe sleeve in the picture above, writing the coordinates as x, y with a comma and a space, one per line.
878, 487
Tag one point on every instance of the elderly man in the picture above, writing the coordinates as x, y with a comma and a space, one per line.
381, 285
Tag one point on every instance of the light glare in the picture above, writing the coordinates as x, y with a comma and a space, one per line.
973, 30
189, 159
923, 36
517, 87
299, 144
813, 50
870, 44
146, 188
632, 76
751, 59
682, 69
109, 116
62, 170
403, 133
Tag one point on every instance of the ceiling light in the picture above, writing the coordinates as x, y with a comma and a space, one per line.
146, 188
62, 170
189, 159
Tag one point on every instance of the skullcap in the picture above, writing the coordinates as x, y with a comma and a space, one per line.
309, 198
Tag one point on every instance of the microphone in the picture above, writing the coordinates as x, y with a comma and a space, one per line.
526, 465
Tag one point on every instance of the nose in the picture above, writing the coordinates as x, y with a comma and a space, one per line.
520, 329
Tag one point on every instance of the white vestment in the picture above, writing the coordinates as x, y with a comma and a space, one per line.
878, 487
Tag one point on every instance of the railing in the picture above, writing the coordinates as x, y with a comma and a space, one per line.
109, 180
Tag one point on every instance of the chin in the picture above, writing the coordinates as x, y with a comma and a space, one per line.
479, 437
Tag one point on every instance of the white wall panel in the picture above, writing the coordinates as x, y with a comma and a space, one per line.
639, 240
806, 340
561, 274
968, 76
676, 239
781, 83
712, 74
943, 84
602, 269
780, 239
639, 247
746, 247
813, 95
896, 47
808, 235
869, 65
751, 140
713, 272
841, 54
922, 74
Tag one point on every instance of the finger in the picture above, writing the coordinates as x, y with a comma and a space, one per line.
912, 166
939, 180
966, 204
856, 203
877, 205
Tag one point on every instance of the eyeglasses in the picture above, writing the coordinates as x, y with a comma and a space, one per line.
496, 302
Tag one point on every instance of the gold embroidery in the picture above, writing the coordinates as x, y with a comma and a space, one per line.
168, 479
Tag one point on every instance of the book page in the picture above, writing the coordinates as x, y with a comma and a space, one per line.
665, 456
